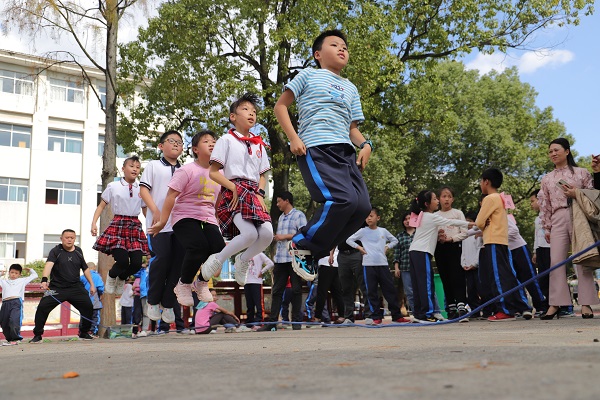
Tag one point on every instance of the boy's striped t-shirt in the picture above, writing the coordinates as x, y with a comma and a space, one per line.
327, 105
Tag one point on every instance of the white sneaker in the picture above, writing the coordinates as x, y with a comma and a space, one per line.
143, 334
243, 329
241, 270
202, 290
302, 262
110, 285
439, 317
368, 321
119, 286
183, 291
229, 330
211, 267
154, 312
168, 315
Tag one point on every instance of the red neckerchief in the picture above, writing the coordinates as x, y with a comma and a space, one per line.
250, 140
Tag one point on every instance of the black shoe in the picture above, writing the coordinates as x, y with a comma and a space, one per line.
547, 317
296, 327
587, 315
85, 336
267, 328
453, 314
36, 339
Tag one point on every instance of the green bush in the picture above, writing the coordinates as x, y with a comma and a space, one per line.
38, 266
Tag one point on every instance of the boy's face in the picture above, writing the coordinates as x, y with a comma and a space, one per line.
244, 117
68, 240
533, 200
333, 54
131, 170
446, 199
484, 184
372, 219
14, 274
204, 147
172, 147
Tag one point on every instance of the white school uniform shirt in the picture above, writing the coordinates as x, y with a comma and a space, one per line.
374, 242
426, 235
121, 200
256, 267
237, 161
470, 251
325, 260
13, 288
457, 234
515, 240
156, 178
126, 299
540, 235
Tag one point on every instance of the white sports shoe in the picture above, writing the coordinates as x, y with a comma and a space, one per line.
110, 285
119, 286
211, 267
154, 312
143, 334
243, 329
369, 321
302, 262
202, 290
168, 315
183, 291
241, 270
439, 317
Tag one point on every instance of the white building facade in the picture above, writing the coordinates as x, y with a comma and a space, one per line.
51, 142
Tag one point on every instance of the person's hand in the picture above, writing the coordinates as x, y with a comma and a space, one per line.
534, 258
596, 163
570, 191
92, 289
261, 200
397, 273
471, 224
234, 200
260, 274
156, 228
330, 260
547, 236
44, 286
94, 230
385, 249
362, 250
479, 234
155, 217
363, 157
278, 238
297, 147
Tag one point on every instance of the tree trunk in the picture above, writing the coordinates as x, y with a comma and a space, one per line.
109, 156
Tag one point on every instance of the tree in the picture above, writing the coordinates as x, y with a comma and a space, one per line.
198, 54
74, 19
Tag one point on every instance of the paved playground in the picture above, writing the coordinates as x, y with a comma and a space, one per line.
477, 360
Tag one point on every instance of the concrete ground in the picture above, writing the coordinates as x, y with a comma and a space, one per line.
557, 359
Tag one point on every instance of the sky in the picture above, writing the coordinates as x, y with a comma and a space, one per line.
565, 71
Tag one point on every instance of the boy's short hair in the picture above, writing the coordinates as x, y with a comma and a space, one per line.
472, 215
245, 98
376, 211
69, 231
198, 136
91, 265
16, 267
318, 43
494, 176
534, 193
133, 158
286, 196
165, 135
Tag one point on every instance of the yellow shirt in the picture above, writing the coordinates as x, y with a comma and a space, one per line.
492, 220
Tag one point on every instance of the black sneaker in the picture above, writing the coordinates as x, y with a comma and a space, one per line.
296, 327
453, 314
85, 336
37, 339
267, 328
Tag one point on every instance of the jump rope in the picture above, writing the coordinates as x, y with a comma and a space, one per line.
391, 325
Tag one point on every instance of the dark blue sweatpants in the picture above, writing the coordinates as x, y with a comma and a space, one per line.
421, 276
525, 271
333, 179
11, 316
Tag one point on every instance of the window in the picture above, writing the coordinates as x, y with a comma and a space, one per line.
65, 142
16, 83
63, 193
12, 245
50, 241
102, 93
120, 150
12, 189
15, 136
62, 90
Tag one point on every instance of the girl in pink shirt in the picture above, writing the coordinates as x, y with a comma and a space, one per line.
191, 202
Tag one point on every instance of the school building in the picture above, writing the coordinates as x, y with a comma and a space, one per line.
51, 143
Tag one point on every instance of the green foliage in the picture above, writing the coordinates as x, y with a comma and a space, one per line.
38, 266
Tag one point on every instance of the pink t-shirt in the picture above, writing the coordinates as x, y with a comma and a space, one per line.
197, 194
202, 321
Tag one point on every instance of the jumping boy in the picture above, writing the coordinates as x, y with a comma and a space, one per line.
497, 260
329, 111
167, 252
62, 268
13, 295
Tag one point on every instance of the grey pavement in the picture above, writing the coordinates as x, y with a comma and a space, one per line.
557, 359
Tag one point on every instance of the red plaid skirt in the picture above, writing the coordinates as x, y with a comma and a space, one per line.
124, 232
248, 205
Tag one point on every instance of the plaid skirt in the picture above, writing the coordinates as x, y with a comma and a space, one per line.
248, 205
124, 232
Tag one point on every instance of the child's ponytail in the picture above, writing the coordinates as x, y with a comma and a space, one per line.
421, 201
